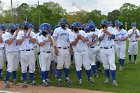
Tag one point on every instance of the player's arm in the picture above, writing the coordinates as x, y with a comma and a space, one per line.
33, 40
71, 49
85, 39
19, 39
55, 46
76, 40
137, 35
123, 38
43, 43
1, 40
11, 40
112, 36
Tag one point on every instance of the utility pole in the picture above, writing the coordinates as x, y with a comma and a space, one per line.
12, 19
38, 16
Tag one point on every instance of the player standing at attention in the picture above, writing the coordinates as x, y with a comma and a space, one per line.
133, 43
106, 37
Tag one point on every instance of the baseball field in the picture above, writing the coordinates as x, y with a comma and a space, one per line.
128, 80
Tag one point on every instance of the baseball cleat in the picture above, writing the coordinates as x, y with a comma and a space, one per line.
106, 81
15, 83
33, 83
135, 62
7, 85
115, 83
24, 85
68, 80
80, 82
1, 78
128, 62
91, 80
121, 68
48, 81
99, 70
96, 75
60, 83
45, 84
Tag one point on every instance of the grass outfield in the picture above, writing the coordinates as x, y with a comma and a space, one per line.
128, 80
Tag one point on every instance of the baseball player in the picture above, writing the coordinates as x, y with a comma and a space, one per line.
62, 50
1, 52
133, 44
106, 37
79, 40
12, 54
44, 42
120, 39
94, 48
26, 39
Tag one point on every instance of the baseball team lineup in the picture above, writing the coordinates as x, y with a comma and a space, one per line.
90, 47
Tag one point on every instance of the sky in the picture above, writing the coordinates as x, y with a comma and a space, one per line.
74, 5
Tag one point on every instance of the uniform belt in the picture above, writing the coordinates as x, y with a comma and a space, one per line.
63, 47
1, 48
46, 51
106, 47
92, 47
134, 41
27, 50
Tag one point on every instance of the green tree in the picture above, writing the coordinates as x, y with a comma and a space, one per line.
112, 16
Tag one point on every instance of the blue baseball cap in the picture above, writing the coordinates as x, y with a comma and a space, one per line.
104, 22
31, 26
12, 26
91, 26
90, 22
17, 25
117, 22
86, 29
110, 23
63, 21
44, 29
47, 25
120, 24
3, 26
26, 23
133, 25
76, 24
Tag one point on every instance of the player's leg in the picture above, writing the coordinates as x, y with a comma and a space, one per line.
1, 64
24, 59
67, 66
135, 51
78, 65
43, 67
15, 67
92, 54
10, 61
105, 61
86, 64
111, 57
48, 67
32, 67
60, 64
122, 55
130, 49
118, 52
98, 60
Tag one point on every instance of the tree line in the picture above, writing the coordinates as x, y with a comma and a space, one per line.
51, 12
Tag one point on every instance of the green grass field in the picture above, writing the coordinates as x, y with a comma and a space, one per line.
128, 80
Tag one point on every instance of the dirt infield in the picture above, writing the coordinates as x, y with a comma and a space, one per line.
41, 89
